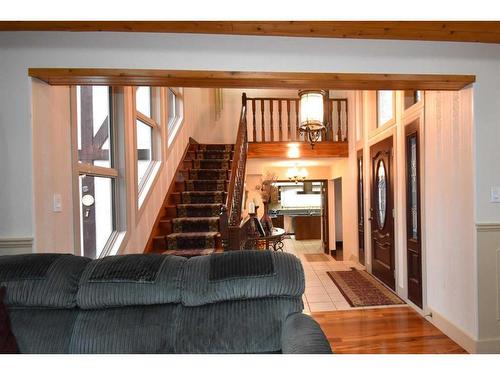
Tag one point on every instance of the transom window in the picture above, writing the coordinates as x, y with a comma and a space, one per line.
385, 107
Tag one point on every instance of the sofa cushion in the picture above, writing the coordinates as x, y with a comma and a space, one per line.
41, 280
42, 330
128, 280
241, 275
245, 326
8, 344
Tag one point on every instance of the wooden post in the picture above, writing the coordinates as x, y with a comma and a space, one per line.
339, 117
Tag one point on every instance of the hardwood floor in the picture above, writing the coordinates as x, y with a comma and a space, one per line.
383, 330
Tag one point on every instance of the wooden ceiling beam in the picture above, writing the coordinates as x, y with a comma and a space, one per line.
452, 31
229, 79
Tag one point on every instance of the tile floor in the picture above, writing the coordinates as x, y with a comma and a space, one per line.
321, 293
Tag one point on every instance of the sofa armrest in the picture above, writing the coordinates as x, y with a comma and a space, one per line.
302, 335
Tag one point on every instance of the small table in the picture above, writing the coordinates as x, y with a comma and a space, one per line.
274, 241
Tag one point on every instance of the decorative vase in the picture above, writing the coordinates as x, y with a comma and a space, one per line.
266, 221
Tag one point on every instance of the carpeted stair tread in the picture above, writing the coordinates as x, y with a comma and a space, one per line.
194, 240
198, 210
203, 197
193, 234
211, 164
206, 185
215, 147
208, 174
212, 155
195, 224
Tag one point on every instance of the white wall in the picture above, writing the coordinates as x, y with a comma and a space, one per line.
449, 211
22, 50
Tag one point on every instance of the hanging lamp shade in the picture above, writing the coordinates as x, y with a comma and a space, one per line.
312, 114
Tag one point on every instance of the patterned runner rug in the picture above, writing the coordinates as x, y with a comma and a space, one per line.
361, 289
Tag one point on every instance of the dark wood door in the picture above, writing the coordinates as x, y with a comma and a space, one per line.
413, 236
324, 217
361, 209
382, 216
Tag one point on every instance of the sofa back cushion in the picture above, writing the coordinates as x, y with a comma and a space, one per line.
241, 275
41, 280
131, 280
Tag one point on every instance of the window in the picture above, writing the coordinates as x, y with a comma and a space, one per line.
385, 107
175, 112
145, 128
95, 170
411, 97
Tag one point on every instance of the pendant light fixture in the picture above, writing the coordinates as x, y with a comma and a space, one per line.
312, 115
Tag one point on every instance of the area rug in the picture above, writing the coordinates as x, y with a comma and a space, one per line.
317, 257
361, 289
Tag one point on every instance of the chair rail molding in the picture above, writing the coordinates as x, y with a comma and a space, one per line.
488, 227
16, 245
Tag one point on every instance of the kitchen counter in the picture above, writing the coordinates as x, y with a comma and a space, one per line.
304, 222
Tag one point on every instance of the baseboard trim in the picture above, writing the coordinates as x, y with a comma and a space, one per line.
453, 332
16, 245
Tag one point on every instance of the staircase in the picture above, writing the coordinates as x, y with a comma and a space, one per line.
190, 221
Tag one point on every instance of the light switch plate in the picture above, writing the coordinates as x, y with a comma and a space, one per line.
57, 204
495, 194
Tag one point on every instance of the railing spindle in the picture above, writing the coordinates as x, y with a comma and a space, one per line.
346, 122
253, 122
288, 127
339, 117
279, 121
272, 125
263, 123
297, 123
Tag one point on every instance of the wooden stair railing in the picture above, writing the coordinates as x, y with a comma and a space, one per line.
231, 220
277, 120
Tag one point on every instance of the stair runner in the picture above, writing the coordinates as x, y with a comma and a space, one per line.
199, 196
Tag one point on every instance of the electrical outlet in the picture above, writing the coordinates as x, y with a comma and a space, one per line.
57, 203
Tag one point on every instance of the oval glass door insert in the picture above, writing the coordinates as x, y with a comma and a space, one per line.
381, 194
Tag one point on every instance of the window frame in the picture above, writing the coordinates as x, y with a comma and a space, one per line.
177, 121
391, 121
117, 234
143, 187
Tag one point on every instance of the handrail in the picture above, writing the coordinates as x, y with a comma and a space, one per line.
232, 210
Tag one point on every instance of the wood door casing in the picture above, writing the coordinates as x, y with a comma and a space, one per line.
413, 211
361, 208
381, 212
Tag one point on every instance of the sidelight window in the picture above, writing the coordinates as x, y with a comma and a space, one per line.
175, 112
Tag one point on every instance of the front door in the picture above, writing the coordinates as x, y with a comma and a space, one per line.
381, 212
324, 217
361, 208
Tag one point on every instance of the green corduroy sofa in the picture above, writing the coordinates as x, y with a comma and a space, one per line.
233, 302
